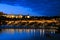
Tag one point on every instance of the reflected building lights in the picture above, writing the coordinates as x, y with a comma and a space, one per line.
42, 31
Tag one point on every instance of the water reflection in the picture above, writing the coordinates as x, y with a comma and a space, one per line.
29, 30
29, 34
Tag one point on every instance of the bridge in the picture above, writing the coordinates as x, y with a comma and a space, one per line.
33, 23
18, 22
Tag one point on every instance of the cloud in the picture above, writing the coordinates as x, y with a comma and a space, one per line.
41, 7
16, 10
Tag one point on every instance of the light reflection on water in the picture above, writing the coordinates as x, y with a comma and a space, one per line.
42, 31
28, 34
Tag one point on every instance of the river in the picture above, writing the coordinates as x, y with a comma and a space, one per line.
29, 34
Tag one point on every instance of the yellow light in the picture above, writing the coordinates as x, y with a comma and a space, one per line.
20, 16
12, 16
4, 15
7, 16
16, 16
28, 16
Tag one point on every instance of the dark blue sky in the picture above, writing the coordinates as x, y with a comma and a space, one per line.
33, 7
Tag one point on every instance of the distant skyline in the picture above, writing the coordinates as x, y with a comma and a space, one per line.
32, 7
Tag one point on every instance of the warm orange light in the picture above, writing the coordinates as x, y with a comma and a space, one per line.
28, 16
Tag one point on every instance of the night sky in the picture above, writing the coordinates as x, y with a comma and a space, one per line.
32, 7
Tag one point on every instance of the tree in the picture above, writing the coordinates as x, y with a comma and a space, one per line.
1, 13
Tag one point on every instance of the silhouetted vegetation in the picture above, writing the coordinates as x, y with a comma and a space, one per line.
1, 13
